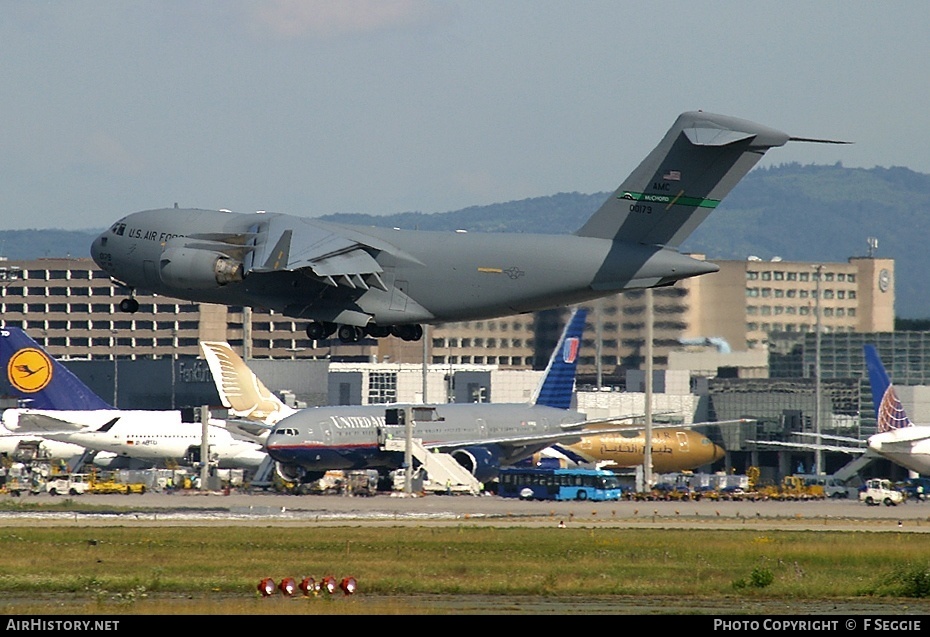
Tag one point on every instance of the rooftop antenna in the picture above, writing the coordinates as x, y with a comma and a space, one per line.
873, 245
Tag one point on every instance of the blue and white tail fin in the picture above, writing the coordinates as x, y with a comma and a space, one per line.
558, 383
40, 381
889, 412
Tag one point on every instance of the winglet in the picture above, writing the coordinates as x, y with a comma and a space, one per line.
558, 382
889, 412
107, 426
281, 252
40, 381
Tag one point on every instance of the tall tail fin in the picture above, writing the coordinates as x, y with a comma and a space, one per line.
558, 382
240, 390
889, 412
39, 380
698, 162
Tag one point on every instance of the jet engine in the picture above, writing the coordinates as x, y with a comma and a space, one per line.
295, 474
288, 472
193, 269
481, 462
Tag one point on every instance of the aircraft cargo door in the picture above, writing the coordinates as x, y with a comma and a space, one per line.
683, 445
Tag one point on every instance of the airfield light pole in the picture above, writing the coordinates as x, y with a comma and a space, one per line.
647, 435
425, 361
408, 451
818, 456
246, 332
598, 342
204, 446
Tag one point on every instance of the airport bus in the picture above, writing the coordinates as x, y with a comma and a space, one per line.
537, 483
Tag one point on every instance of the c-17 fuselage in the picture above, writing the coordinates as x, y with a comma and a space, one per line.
356, 281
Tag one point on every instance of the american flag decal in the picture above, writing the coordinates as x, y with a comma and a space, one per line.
570, 350
672, 175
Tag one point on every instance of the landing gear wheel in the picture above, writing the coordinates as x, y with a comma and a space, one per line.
317, 331
129, 306
407, 332
348, 333
378, 331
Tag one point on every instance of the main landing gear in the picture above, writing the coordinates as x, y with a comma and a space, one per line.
319, 330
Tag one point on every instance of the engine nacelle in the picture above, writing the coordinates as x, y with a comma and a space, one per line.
288, 472
481, 462
193, 269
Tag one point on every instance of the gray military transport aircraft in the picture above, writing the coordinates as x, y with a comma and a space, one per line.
356, 281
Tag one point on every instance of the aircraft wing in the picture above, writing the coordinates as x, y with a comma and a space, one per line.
573, 433
829, 437
245, 429
603, 425
44, 424
809, 446
337, 255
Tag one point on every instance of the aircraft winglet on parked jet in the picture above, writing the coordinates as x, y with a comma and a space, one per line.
72, 413
360, 281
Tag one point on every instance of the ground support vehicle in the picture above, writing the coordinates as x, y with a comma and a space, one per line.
72, 484
878, 491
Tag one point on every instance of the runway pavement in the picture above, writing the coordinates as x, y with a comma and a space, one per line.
199, 508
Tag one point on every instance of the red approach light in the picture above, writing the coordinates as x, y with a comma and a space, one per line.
329, 584
266, 587
288, 586
348, 585
309, 586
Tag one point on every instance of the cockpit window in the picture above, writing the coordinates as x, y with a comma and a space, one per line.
118, 228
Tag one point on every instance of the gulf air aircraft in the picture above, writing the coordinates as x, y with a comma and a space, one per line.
673, 450
59, 407
362, 281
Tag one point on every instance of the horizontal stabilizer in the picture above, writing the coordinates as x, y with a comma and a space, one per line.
29, 422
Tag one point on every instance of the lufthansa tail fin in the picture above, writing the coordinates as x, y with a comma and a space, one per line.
698, 162
558, 382
889, 412
240, 390
40, 381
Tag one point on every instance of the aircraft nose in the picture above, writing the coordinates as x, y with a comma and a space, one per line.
96, 247
719, 453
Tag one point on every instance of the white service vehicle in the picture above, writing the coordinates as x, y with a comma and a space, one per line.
879, 491
72, 484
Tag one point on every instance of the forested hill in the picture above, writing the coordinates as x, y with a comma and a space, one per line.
793, 211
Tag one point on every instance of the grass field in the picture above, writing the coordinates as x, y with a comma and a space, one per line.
204, 570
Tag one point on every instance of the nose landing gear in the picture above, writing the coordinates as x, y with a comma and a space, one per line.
129, 305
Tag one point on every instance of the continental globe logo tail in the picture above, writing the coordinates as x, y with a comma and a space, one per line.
570, 350
29, 370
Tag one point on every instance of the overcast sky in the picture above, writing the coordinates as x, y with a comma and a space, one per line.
313, 107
